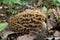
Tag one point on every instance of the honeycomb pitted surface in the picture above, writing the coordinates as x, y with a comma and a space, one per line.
26, 21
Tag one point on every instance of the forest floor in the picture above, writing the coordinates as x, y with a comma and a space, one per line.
51, 22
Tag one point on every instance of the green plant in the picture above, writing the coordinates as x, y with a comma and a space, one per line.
56, 2
11, 4
51, 10
3, 26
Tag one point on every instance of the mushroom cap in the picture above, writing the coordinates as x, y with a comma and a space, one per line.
27, 21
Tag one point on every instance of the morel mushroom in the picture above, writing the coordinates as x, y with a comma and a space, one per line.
27, 21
